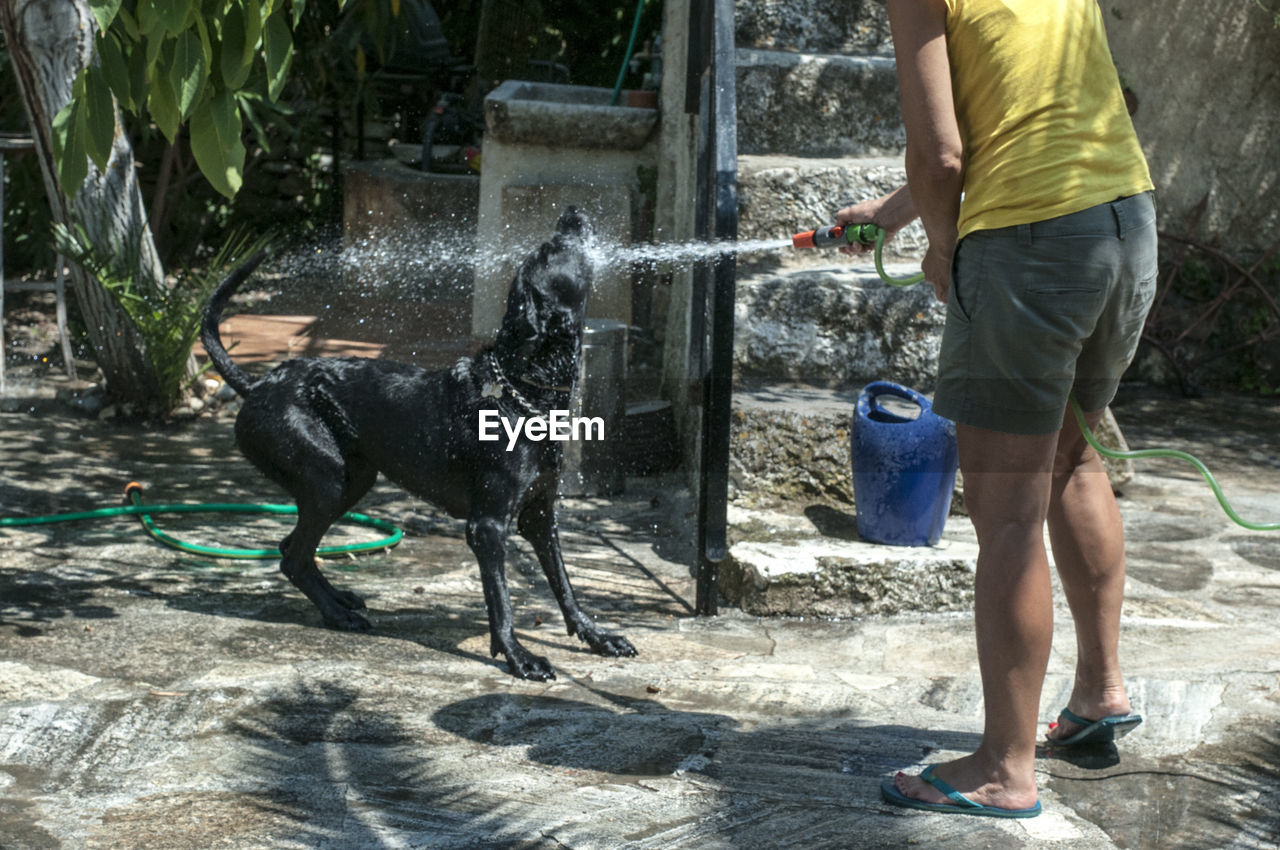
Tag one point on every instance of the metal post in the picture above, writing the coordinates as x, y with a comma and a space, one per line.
718, 221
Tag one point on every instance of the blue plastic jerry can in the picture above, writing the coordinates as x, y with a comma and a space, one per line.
904, 468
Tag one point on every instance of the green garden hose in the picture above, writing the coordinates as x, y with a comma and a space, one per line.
626, 59
133, 492
874, 234
1174, 453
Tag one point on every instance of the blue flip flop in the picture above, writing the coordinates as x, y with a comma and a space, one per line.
960, 804
1101, 731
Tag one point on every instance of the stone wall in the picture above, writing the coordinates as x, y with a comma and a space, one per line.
1207, 78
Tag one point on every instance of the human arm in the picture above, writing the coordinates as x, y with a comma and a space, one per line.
935, 155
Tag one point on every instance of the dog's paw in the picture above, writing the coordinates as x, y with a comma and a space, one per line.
526, 665
350, 601
615, 646
347, 621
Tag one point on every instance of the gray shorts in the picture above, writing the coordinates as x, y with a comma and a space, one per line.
1039, 311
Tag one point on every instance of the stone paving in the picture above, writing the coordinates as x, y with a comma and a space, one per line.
152, 699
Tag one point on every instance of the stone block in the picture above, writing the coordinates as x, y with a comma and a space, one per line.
813, 565
810, 105
837, 327
813, 26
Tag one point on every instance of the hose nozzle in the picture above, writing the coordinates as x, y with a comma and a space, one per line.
835, 235
865, 234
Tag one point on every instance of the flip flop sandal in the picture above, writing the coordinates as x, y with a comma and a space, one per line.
1102, 731
959, 805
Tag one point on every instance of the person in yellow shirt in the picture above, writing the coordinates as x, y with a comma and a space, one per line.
1024, 167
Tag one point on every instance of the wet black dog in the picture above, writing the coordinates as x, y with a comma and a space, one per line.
323, 428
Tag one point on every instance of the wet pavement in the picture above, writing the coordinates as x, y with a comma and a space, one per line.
153, 699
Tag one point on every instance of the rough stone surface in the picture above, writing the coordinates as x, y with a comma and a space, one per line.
838, 326
525, 113
789, 443
813, 564
811, 105
812, 26
1211, 131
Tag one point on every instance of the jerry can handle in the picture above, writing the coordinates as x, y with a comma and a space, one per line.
869, 402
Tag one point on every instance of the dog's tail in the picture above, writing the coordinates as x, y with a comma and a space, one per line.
239, 380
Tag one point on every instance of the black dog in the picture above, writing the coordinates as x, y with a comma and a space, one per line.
324, 428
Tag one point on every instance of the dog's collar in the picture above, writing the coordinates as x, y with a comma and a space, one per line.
560, 388
502, 386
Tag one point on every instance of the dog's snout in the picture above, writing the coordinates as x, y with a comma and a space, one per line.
573, 222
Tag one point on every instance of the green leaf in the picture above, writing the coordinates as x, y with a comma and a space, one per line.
299, 6
236, 58
259, 132
68, 142
149, 21
130, 25
162, 103
205, 45
173, 14
187, 73
78, 84
279, 43
252, 27
139, 88
105, 11
99, 117
115, 70
216, 144
155, 44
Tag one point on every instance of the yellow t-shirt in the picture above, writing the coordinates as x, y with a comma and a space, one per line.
1041, 113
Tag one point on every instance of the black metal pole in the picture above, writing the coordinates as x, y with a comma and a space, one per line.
721, 175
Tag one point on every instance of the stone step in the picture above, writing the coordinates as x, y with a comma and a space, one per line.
806, 104
812, 564
836, 326
814, 26
794, 547
781, 195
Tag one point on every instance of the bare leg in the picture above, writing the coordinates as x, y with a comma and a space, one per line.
1007, 485
1087, 536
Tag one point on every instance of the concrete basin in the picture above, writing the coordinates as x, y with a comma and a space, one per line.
519, 112
547, 147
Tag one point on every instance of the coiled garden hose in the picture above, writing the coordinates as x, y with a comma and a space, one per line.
135, 507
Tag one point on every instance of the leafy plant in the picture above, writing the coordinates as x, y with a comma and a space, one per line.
181, 61
167, 315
